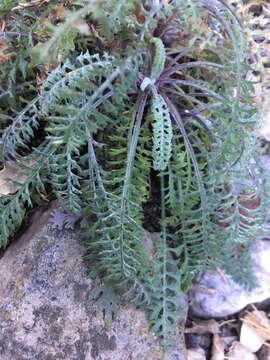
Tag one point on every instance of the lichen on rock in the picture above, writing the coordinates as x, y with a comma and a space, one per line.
45, 311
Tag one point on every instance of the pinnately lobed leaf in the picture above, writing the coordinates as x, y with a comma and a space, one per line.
157, 65
159, 59
162, 133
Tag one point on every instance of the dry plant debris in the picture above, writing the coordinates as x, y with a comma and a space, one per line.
253, 333
240, 352
255, 330
218, 348
8, 173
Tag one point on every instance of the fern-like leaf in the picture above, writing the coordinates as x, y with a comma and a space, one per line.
165, 305
71, 96
13, 207
119, 243
17, 136
162, 133
159, 58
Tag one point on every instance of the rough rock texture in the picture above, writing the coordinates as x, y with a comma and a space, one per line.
45, 312
217, 295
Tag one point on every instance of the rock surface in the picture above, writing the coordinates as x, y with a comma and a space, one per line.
216, 295
45, 313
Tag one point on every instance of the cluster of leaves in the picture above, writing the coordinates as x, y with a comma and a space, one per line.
149, 108
256, 19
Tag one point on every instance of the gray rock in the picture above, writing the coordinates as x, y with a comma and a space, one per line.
45, 313
216, 295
